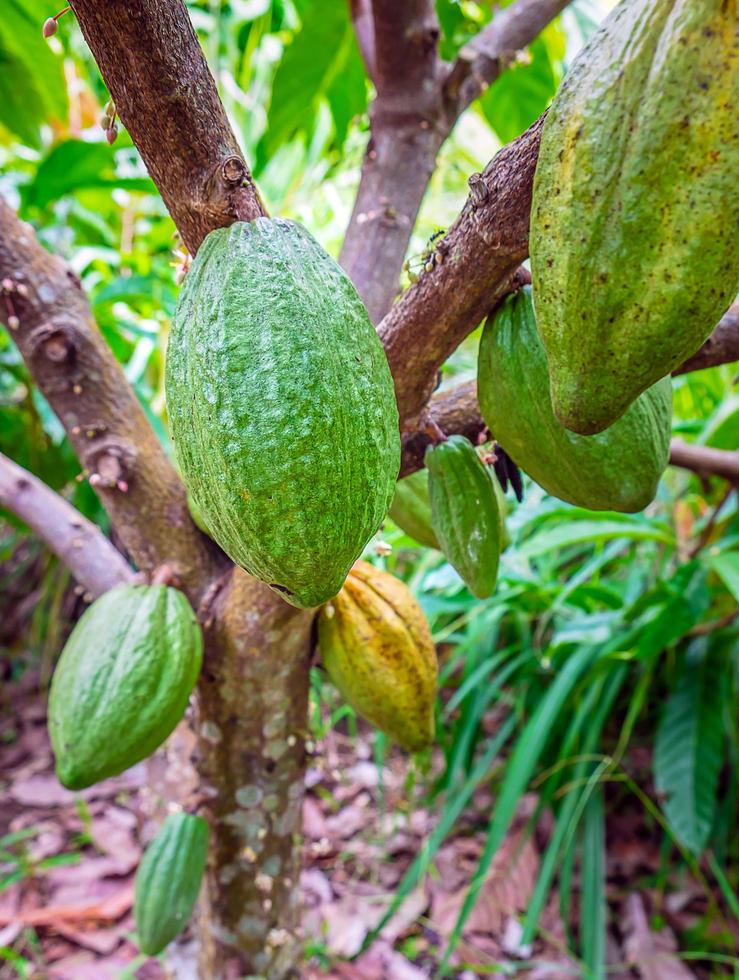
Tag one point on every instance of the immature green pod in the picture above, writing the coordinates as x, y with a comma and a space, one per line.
635, 214
618, 469
411, 508
168, 881
465, 513
122, 682
282, 407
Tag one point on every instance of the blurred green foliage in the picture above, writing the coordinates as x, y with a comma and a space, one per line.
606, 631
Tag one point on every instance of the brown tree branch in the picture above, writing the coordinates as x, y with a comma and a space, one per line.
722, 347
402, 149
418, 102
79, 543
84, 384
456, 411
166, 97
364, 30
477, 263
483, 59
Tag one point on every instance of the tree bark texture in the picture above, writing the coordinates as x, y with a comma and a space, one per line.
166, 97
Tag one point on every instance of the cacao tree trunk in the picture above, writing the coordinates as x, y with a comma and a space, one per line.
250, 754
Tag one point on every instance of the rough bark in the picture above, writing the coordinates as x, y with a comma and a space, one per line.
477, 262
419, 100
252, 721
166, 98
456, 411
722, 347
79, 543
403, 146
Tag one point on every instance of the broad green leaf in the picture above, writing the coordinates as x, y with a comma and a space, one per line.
75, 165
726, 567
522, 92
32, 86
689, 748
686, 601
319, 53
579, 532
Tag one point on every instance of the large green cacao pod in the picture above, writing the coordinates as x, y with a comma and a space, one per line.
168, 880
376, 647
618, 469
465, 513
122, 682
411, 508
635, 216
282, 407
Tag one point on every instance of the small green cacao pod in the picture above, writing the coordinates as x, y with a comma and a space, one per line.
168, 880
635, 216
411, 508
465, 514
617, 469
505, 537
282, 407
377, 649
122, 682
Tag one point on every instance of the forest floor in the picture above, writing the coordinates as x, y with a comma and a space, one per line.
67, 863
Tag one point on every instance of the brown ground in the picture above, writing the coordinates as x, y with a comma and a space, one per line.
66, 888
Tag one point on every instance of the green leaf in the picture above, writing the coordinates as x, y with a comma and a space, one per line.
579, 532
593, 901
32, 86
518, 772
689, 748
687, 600
726, 567
320, 52
76, 165
522, 92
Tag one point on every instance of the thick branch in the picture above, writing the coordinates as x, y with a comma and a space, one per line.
80, 544
456, 410
722, 347
166, 97
75, 369
486, 56
705, 461
416, 108
477, 263
400, 55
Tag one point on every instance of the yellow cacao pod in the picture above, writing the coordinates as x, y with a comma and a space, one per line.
376, 647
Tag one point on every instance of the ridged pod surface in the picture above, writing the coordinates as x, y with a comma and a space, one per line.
377, 649
411, 508
122, 682
282, 407
168, 880
464, 509
635, 217
617, 469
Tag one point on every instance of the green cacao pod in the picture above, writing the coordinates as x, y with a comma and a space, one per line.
617, 469
377, 649
168, 880
635, 216
282, 407
122, 682
197, 517
411, 508
465, 514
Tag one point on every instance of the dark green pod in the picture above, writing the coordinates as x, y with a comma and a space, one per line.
617, 469
635, 214
465, 513
168, 881
411, 508
282, 407
122, 682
